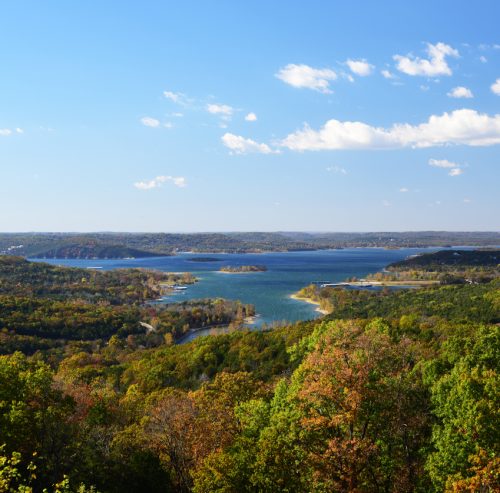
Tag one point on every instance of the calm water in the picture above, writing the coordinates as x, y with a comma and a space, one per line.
269, 291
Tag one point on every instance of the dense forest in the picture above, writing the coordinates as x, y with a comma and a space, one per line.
42, 307
394, 391
123, 245
131, 286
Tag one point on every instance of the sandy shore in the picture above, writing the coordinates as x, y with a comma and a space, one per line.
312, 302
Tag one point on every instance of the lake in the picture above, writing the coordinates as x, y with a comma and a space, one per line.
269, 291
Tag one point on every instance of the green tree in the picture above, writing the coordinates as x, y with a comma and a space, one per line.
466, 400
34, 417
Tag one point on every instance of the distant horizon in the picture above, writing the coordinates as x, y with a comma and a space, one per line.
256, 231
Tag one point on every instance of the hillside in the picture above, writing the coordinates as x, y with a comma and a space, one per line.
123, 245
94, 251
449, 260
44, 307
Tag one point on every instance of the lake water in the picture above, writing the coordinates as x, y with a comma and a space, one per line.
269, 291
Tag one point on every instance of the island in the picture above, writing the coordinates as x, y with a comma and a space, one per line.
243, 269
204, 259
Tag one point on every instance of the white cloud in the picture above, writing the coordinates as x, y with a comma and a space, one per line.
460, 127
5, 132
386, 203
337, 169
251, 117
360, 67
435, 65
154, 123
150, 122
484, 46
173, 96
241, 145
387, 74
483, 59
178, 181
495, 87
177, 97
304, 76
403, 190
460, 92
442, 163
467, 201
454, 168
220, 109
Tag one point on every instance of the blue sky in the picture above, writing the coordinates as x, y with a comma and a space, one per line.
226, 116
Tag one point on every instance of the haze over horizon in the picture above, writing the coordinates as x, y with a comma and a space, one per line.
193, 232
224, 117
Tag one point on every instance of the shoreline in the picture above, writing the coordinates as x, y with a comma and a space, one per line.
248, 322
414, 282
311, 302
258, 252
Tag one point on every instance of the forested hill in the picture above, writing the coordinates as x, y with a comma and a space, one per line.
95, 251
45, 309
20, 277
449, 260
122, 245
